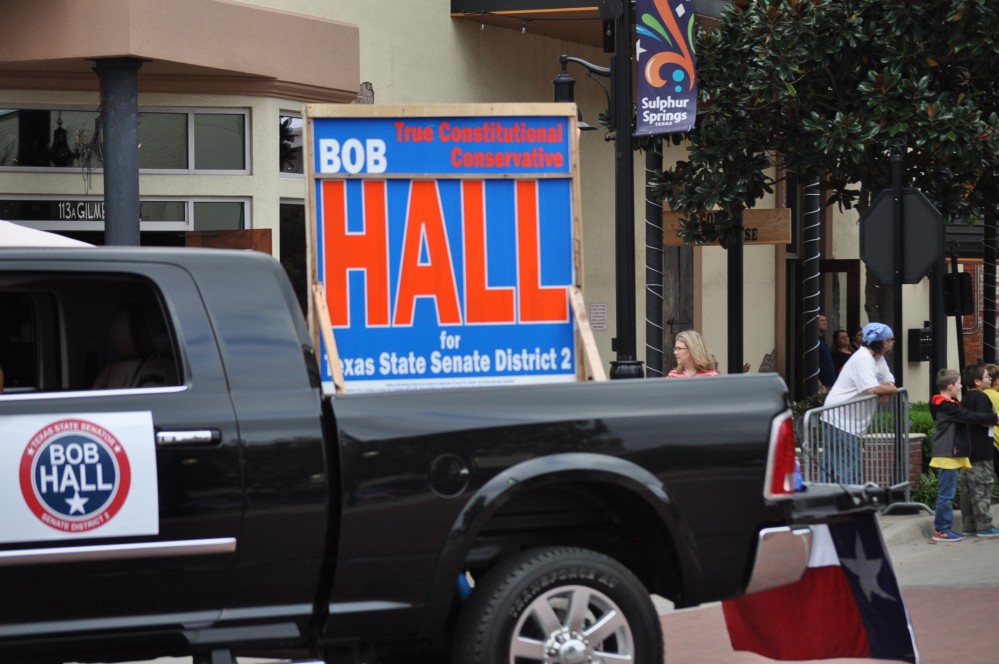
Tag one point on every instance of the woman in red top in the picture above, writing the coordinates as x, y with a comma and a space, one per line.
693, 358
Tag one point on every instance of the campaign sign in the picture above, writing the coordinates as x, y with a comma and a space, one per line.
78, 475
446, 243
667, 75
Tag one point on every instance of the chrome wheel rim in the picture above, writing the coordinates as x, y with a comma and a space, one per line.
572, 625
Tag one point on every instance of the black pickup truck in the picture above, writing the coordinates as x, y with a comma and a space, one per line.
175, 482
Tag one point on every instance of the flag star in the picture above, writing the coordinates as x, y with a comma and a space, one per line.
639, 50
866, 570
76, 503
680, 11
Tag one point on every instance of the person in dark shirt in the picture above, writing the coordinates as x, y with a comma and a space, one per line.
827, 371
842, 349
976, 482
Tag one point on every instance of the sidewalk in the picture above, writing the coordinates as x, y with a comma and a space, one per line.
921, 562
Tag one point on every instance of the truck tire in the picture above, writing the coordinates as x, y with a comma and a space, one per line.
557, 606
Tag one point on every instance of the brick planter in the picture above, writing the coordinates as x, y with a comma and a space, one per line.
880, 460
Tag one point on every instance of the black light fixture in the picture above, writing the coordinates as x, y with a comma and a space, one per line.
564, 87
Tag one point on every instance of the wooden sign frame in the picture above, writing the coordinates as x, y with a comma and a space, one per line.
423, 123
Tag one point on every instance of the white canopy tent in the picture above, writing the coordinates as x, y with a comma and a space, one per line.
15, 235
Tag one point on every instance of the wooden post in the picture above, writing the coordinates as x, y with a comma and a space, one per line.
326, 330
585, 333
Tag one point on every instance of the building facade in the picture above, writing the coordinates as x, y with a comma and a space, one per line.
221, 92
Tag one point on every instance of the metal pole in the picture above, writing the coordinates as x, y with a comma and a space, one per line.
120, 118
811, 288
938, 323
654, 251
898, 222
989, 289
735, 300
626, 365
959, 306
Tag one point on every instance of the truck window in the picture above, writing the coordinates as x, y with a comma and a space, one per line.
81, 331
17, 342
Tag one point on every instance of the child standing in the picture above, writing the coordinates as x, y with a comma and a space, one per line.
993, 394
976, 482
950, 448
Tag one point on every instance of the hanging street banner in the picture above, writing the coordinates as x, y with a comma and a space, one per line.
667, 75
446, 238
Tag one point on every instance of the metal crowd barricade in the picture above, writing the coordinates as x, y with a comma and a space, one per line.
864, 440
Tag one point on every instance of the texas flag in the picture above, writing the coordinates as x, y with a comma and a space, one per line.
848, 603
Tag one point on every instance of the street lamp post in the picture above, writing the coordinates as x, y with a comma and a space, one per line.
626, 364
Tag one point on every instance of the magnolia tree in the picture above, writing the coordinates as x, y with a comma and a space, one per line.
822, 88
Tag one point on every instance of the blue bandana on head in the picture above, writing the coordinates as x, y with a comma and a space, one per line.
876, 332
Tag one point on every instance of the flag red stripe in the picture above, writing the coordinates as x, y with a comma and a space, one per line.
816, 618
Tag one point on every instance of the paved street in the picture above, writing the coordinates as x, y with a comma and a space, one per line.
951, 589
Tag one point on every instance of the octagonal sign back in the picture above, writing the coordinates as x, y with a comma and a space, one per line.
922, 236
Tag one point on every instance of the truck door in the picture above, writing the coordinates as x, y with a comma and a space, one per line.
119, 451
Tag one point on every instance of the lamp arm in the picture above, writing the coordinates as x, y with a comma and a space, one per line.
592, 71
589, 66
610, 109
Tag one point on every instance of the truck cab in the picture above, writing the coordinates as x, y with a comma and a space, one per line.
157, 473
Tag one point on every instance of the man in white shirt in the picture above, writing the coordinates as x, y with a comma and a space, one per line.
865, 373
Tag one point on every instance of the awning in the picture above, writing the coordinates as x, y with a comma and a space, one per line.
15, 235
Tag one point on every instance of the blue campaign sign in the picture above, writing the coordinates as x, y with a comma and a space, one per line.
450, 145
446, 244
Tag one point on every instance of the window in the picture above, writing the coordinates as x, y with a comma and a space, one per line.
35, 138
17, 342
186, 141
294, 250
163, 141
162, 211
83, 331
87, 213
218, 216
219, 142
290, 149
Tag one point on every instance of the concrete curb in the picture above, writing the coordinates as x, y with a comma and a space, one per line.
901, 529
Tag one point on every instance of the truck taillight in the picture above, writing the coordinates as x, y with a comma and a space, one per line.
783, 469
